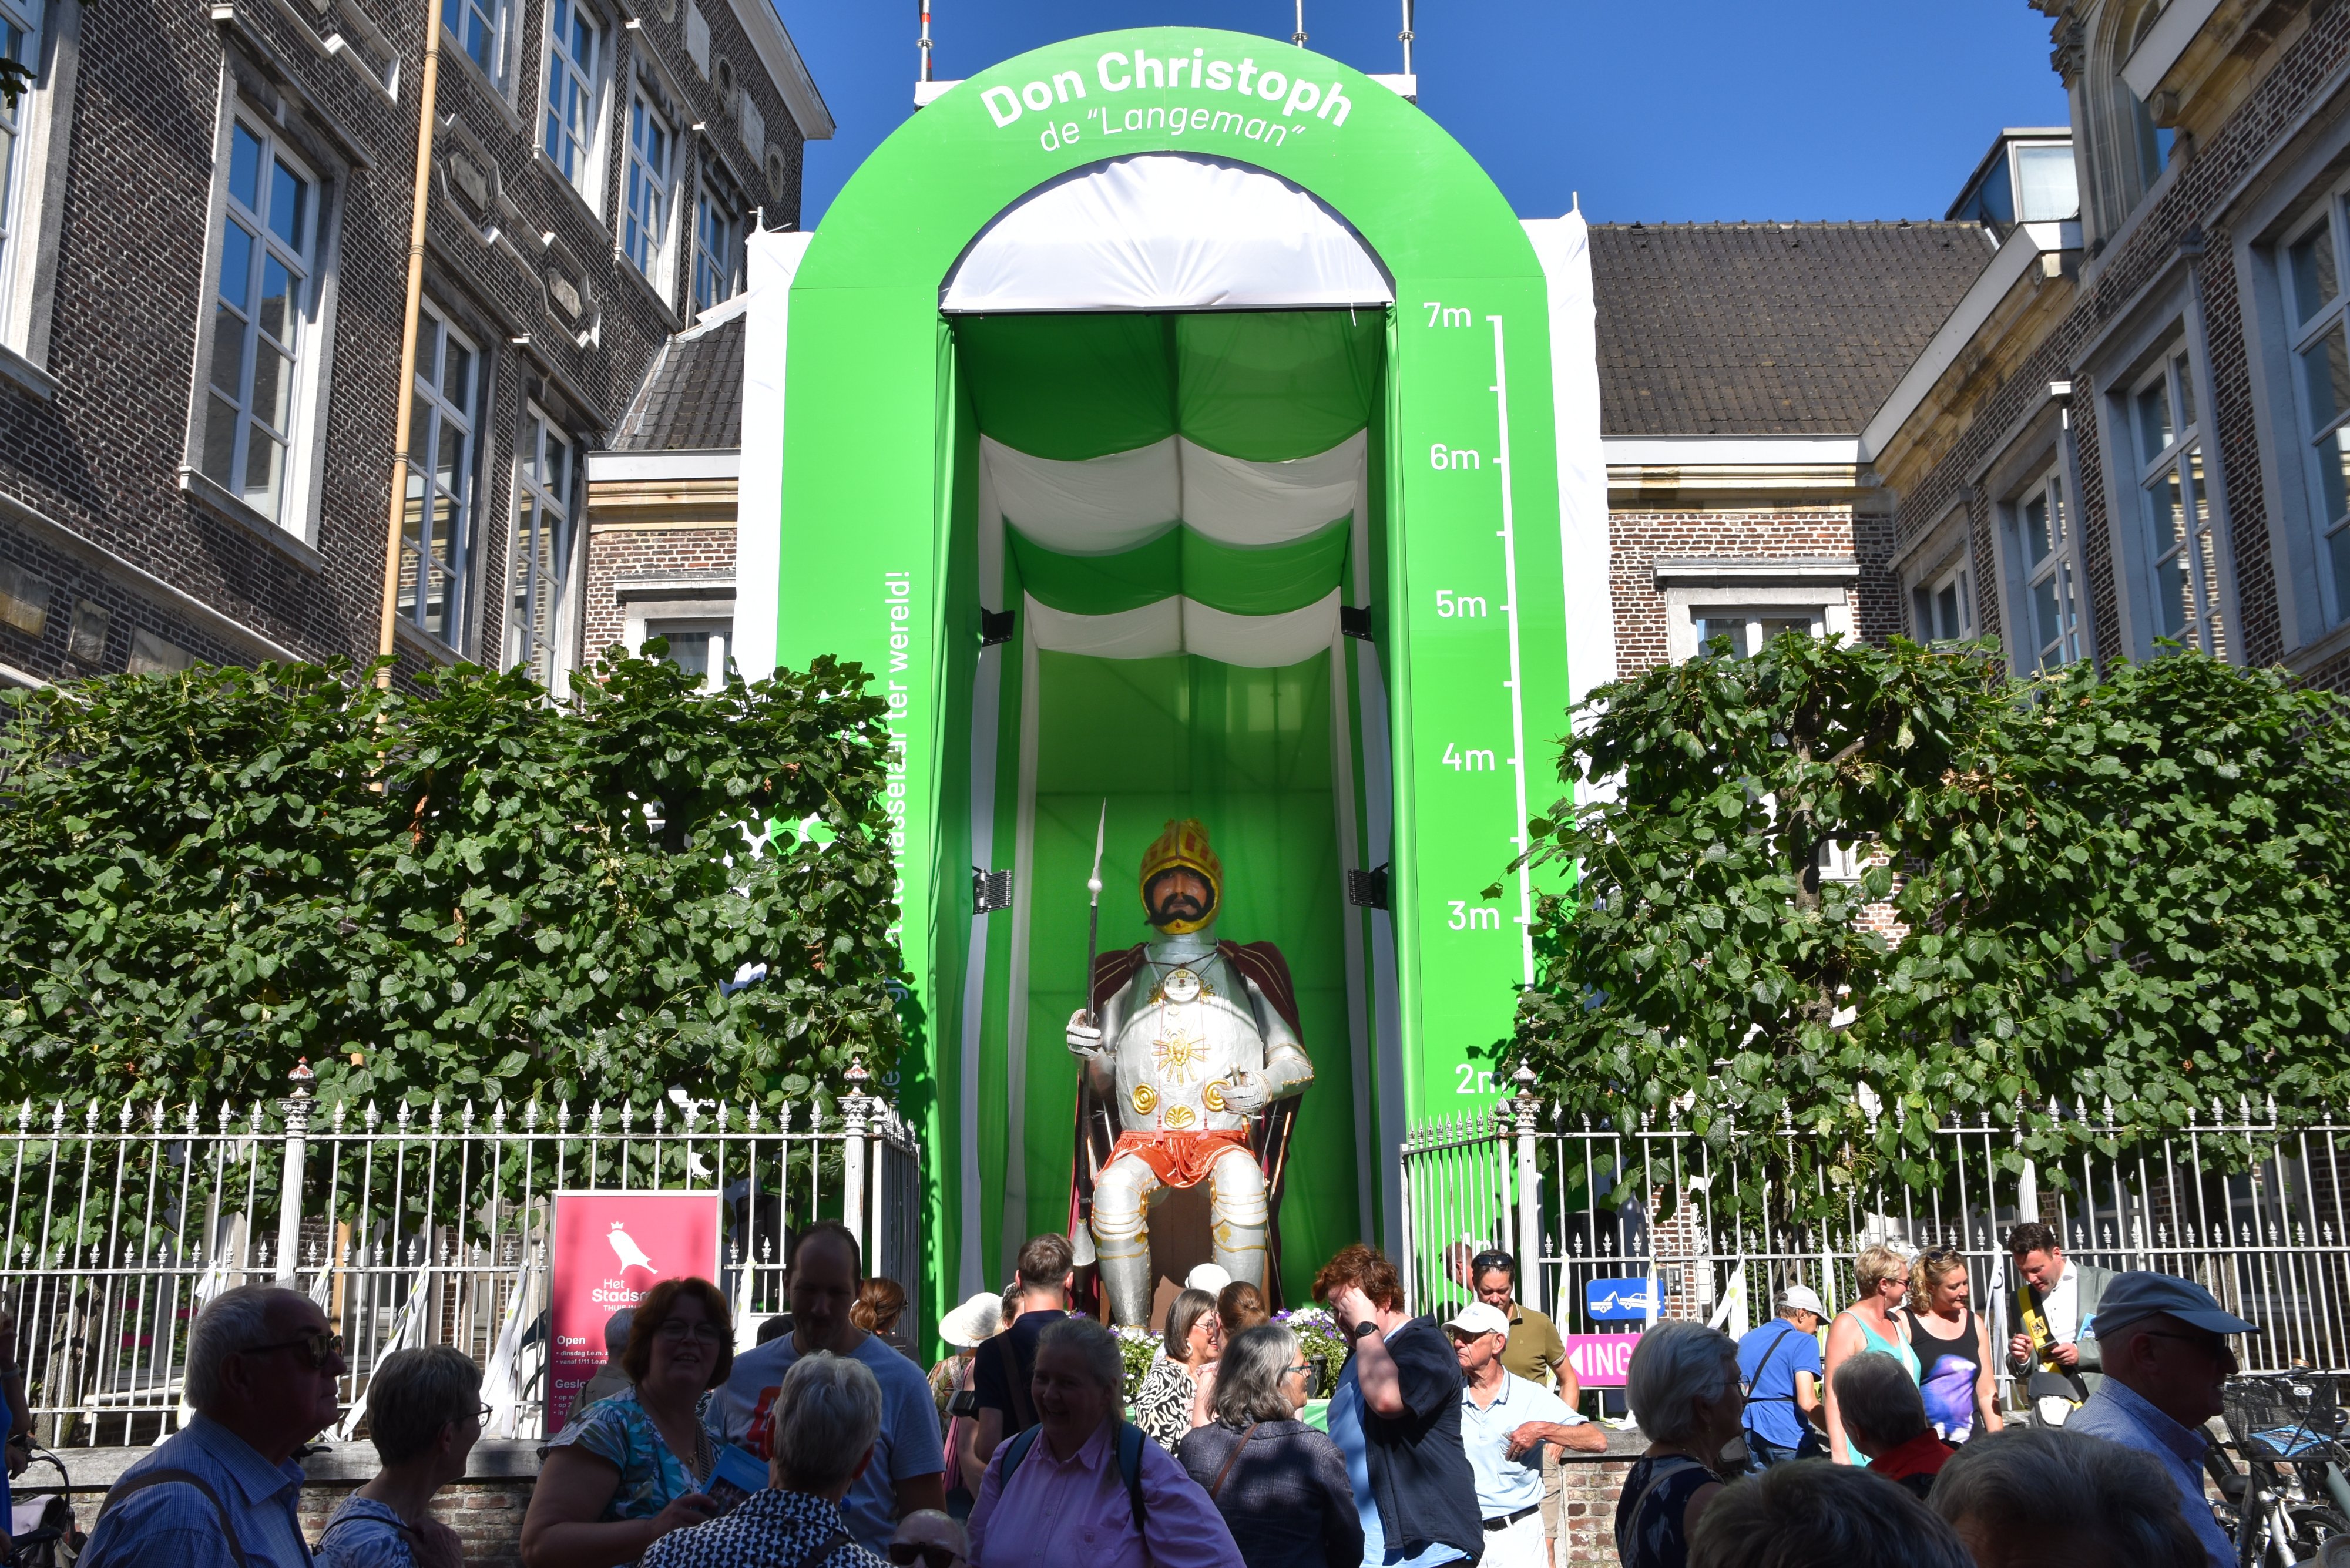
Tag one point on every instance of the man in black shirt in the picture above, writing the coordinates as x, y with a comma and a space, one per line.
1410, 1413
1000, 1374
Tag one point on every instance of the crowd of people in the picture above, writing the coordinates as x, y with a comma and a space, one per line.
827, 1446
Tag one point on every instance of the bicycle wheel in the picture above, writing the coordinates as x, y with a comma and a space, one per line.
2310, 1525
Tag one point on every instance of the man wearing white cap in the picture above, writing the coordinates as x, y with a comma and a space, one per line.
1780, 1364
2166, 1357
1504, 1423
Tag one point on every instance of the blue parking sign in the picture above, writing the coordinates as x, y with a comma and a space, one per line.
1619, 1301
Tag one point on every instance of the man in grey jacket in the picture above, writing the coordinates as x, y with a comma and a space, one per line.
2047, 1313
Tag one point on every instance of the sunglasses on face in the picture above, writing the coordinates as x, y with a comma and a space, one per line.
906, 1554
677, 1331
316, 1349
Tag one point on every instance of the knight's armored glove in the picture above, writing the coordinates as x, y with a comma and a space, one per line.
1085, 1040
1247, 1093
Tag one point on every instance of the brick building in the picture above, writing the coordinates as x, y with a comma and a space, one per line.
204, 258
2130, 430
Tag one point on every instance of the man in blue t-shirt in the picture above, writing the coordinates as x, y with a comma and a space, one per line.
1780, 1364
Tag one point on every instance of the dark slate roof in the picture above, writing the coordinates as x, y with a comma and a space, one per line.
692, 399
1768, 329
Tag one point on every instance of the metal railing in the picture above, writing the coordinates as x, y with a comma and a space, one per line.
2249, 1207
426, 1225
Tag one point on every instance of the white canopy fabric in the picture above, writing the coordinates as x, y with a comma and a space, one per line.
1165, 232
1098, 506
1180, 625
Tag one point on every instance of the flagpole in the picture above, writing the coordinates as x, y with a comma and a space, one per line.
1093, 920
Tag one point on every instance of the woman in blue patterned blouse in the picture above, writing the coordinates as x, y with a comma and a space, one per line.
631, 1469
424, 1416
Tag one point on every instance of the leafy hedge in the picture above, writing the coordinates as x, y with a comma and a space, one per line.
469, 889
2132, 887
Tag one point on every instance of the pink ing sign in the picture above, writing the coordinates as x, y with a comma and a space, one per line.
610, 1247
1600, 1360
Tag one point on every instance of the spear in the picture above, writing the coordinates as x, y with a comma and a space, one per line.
1093, 920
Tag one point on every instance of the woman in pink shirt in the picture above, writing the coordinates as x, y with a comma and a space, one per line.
1083, 1486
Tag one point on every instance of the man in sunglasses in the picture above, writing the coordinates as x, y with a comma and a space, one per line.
930, 1539
262, 1370
2166, 1357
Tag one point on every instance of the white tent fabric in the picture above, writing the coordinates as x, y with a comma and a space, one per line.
1563, 247
1165, 232
1099, 506
1179, 625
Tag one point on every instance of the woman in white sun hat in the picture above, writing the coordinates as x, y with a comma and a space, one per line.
966, 1328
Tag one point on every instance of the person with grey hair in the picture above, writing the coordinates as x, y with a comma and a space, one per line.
827, 1414
1822, 1516
1085, 1486
2163, 1345
1885, 1418
2031, 1496
1684, 1390
262, 1371
1281, 1485
424, 1416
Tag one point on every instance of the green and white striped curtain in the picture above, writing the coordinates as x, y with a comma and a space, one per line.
1176, 484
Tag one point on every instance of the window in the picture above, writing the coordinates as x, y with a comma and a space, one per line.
433, 540
20, 40
713, 249
2181, 536
2314, 275
1943, 608
698, 646
152, 655
2042, 549
544, 477
574, 50
1748, 630
479, 27
261, 320
644, 221
2149, 143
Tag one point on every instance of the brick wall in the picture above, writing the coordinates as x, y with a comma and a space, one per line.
485, 1514
2181, 219
101, 458
638, 551
1641, 536
1587, 1491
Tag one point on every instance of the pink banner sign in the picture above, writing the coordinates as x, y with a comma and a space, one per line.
1600, 1360
610, 1247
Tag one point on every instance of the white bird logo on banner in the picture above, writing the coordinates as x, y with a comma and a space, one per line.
624, 1247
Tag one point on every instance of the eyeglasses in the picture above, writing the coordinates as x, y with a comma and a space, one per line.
906, 1554
316, 1348
1300, 1369
484, 1415
677, 1331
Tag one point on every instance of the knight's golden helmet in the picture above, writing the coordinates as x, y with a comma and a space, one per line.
1183, 847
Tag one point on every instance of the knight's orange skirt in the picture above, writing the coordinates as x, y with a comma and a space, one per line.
1179, 1159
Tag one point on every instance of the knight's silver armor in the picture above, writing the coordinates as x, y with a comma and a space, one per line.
1189, 1046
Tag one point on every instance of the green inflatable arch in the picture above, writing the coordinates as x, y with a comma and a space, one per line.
1184, 656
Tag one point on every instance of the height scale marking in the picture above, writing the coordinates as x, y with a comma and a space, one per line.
1501, 390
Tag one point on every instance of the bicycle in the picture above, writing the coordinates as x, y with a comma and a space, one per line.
2294, 1491
56, 1541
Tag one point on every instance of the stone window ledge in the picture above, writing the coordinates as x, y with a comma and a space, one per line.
216, 499
14, 366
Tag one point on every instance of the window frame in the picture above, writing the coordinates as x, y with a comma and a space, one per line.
18, 123
1955, 577
499, 70
2059, 570
659, 267
2329, 529
709, 197
432, 401
2184, 462
547, 654
310, 342
640, 614
559, 65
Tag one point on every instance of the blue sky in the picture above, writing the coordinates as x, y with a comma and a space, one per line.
1660, 112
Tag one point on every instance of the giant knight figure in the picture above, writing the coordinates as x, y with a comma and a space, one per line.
1191, 1068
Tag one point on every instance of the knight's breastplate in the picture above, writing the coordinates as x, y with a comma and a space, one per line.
1189, 1028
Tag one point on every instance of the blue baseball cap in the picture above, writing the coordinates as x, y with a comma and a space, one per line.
2141, 1293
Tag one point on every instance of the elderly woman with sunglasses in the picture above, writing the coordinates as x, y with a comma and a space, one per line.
1873, 1325
1281, 1485
629, 1469
425, 1415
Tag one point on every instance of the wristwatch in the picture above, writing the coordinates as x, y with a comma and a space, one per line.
1362, 1328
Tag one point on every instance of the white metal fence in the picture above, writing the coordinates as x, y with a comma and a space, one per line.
2250, 1208
424, 1226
